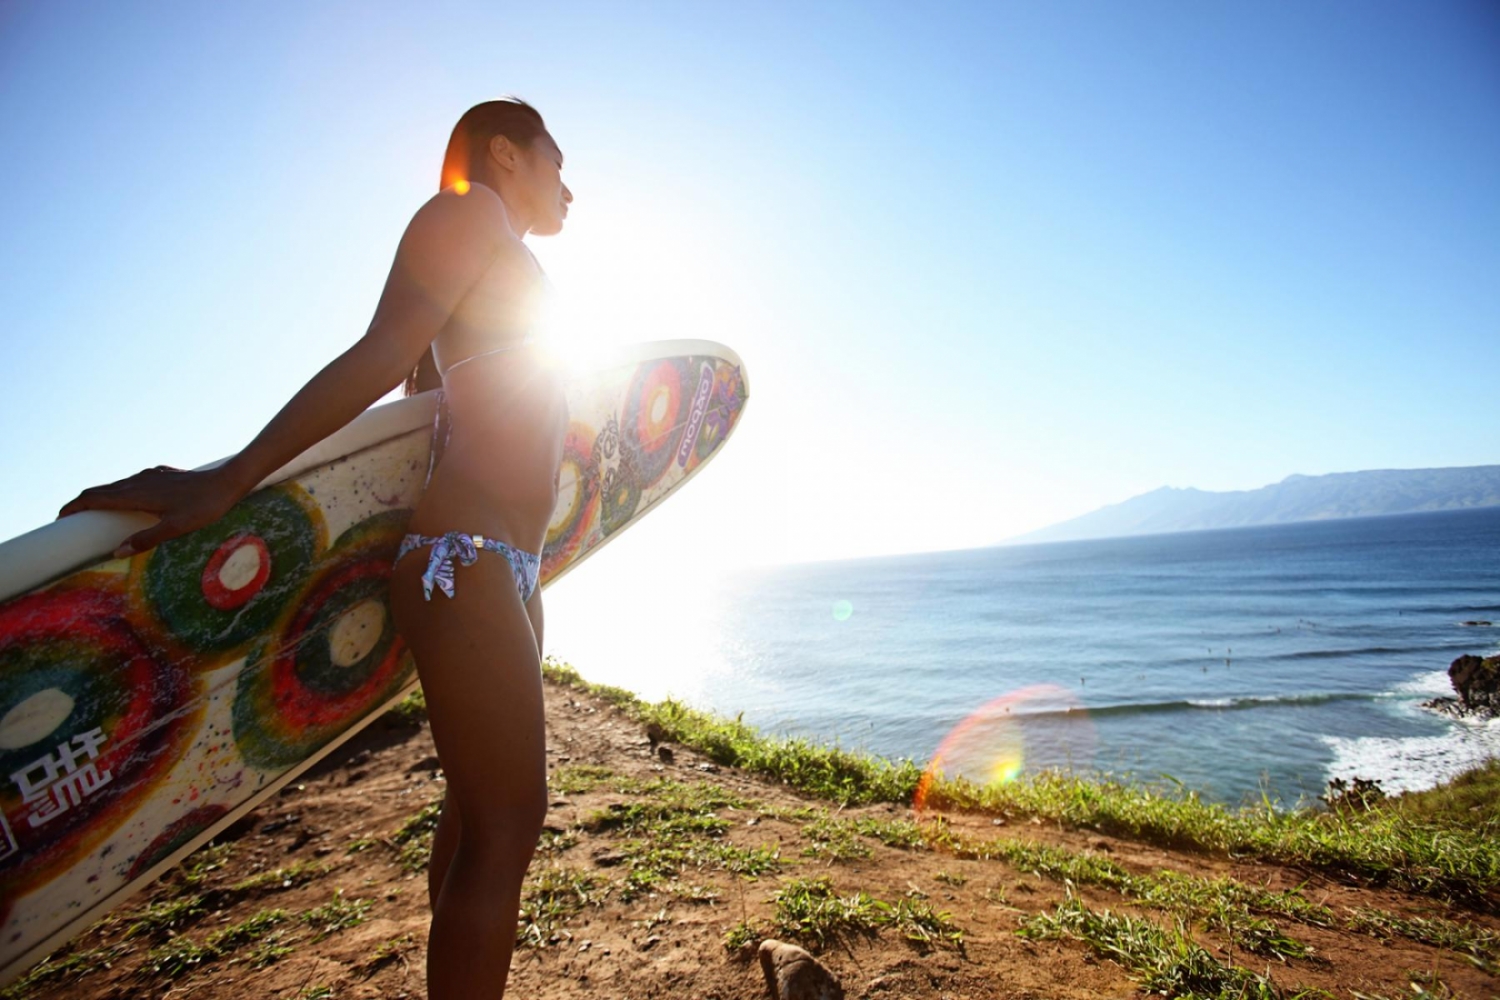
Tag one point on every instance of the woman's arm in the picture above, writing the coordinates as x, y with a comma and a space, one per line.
449, 245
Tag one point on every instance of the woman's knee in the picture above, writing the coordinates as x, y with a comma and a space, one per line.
515, 814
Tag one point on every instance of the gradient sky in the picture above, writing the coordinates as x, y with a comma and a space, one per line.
989, 266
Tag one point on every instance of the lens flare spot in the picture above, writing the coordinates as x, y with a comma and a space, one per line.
842, 610
461, 187
1040, 727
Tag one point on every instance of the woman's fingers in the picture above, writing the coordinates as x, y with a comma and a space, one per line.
92, 500
127, 494
150, 538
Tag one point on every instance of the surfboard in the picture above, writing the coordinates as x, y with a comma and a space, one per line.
148, 703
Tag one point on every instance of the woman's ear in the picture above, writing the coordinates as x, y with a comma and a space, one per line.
504, 151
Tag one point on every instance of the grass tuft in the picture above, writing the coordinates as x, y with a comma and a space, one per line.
549, 899
1165, 962
336, 915
811, 912
281, 878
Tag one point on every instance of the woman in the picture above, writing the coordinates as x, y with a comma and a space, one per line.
455, 311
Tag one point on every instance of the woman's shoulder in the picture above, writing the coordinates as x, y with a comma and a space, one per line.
475, 218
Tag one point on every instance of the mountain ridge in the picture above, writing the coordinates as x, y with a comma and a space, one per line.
1298, 497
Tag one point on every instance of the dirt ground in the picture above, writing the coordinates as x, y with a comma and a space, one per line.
335, 838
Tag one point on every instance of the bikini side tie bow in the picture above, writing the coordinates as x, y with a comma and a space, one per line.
452, 545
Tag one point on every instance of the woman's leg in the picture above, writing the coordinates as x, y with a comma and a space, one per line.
477, 658
444, 843
450, 821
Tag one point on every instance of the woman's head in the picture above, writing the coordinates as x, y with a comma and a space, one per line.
505, 145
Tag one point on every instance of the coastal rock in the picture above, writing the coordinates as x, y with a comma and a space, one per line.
1476, 681
792, 974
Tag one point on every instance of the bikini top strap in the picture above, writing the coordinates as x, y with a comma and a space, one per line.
483, 354
439, 413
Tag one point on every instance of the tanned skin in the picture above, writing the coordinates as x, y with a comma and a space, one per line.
462, 283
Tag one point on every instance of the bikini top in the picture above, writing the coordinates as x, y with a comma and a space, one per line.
441, 411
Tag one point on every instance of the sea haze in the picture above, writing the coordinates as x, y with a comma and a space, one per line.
1236, 661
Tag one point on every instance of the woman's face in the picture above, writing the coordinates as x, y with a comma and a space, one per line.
546, 195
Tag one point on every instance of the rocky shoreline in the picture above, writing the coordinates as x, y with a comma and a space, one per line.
1476, 682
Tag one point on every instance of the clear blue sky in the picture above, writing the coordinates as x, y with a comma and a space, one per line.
990, 266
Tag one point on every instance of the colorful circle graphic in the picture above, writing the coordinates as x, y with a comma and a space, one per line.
620, 498
1037, 727
577, 500
216, 589
656, 408
336, 657
90, 721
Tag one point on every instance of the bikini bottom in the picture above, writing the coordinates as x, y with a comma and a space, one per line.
465, 548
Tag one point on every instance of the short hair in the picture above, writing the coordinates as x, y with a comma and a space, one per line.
470, 142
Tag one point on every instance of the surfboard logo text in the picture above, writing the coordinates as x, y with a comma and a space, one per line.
696, 414
56, 782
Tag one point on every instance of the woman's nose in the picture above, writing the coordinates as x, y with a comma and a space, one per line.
567, 194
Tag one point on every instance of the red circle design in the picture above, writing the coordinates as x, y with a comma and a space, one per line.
652, 434
220, 596
294, 708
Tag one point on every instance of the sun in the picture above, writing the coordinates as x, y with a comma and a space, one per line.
621, 281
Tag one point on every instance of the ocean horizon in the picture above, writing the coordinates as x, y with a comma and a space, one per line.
1240, 662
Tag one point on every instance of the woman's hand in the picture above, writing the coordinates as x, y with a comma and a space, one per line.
185, 501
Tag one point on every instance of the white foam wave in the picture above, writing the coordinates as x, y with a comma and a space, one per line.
1409, 764
1428, 684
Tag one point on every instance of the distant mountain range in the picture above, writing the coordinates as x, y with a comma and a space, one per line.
1295, 498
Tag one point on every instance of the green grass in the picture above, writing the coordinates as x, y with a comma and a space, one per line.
550, 898
674, 825
810, 911
920, 924
53, 969
390, 950
181, 954
741, 936
281, 878
159, 918
1471, 801
411, 710
833, 840
1379, 846
1165, 961
1400, 843
204, 861
415, 836
831, 773
336, 915
1223, 904
556, 841
578, 778
1481, 943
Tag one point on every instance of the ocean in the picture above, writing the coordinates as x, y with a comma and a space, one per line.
1240, 662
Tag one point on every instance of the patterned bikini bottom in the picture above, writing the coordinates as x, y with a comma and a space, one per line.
465, 548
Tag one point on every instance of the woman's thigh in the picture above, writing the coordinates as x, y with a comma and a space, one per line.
476, 655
